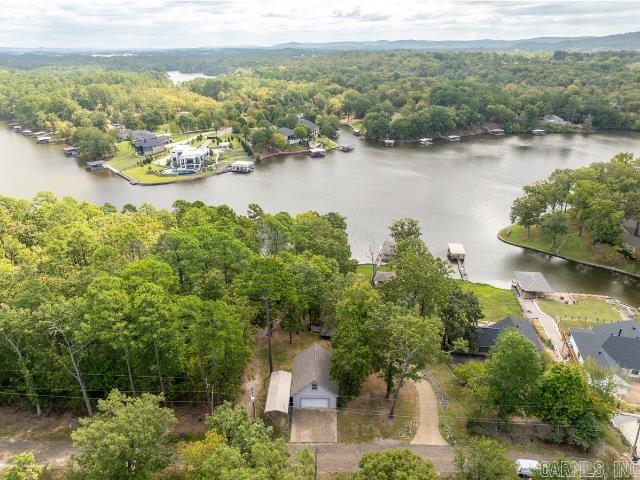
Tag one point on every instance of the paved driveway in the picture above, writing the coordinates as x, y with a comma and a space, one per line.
314, 425
531, 311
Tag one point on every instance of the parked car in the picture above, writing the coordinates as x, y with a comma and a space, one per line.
527, 467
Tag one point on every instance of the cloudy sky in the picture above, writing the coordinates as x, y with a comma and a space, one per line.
193, 23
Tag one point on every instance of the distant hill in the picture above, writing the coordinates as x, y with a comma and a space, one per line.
621, 41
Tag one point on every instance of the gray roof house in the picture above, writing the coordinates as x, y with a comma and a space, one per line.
531, 284
488, 335
289, 135
311, 386
149, 145
313, 128
613, 346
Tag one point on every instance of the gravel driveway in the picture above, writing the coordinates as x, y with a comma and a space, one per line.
314, 425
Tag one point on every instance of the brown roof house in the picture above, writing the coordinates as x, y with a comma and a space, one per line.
311, 386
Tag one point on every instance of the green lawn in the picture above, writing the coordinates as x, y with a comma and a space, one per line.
588, 312
571, 246
125, 157
365, 270
327, 143
497, 303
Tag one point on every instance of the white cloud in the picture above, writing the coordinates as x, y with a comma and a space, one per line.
192, 23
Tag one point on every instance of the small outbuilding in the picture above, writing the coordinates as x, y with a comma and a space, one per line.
382, 277
311, 386
242, 166
531, 284
277, 405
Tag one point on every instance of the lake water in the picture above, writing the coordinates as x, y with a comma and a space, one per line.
460, 192
178, 77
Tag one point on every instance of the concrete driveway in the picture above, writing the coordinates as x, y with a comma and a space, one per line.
531, 311
314, 425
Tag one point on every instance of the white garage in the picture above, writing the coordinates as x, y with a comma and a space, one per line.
314, 403
311, 386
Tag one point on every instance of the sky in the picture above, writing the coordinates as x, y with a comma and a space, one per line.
130, 24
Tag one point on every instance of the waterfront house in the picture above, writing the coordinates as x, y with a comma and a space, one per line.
311, 386
488, 334
150, 145
313, 128
187, 157
531, 284
289, 135
242, 166
613, 346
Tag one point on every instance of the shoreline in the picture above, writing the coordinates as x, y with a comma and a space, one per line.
569, 259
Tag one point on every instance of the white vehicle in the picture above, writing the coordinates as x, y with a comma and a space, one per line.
527, 467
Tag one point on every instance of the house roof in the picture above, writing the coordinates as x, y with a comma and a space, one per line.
627, 328
533, 282
309, 124
612, 345
151, 141
487, 336
279, 392
381, 277
311, 366
286, 131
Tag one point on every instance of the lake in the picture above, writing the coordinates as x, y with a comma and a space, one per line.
178, 77
460, 192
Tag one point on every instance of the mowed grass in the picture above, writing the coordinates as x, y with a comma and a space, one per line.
365, 418
497, 303
125, 157
365, 270
587, 313
572, 246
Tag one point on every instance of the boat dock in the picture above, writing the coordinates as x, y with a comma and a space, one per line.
120, 174
456, 254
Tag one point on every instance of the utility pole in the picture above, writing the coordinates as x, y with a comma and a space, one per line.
268, 313
253, 401
315, 464
634, 449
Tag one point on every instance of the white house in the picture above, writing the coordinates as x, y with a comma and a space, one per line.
311, 386
187, 157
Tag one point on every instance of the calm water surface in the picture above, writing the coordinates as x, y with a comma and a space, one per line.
177, 77
460, 192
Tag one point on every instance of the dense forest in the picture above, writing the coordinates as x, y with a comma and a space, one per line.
402, 95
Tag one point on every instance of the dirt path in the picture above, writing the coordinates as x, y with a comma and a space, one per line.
55, 453
428, 432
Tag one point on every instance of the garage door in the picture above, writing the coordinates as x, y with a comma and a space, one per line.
314, 403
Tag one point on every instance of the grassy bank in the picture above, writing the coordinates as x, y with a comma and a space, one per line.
497, 303
572, 246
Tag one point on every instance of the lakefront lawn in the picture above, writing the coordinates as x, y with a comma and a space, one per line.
571, 246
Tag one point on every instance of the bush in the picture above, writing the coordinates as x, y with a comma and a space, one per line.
585, 433
469, 374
